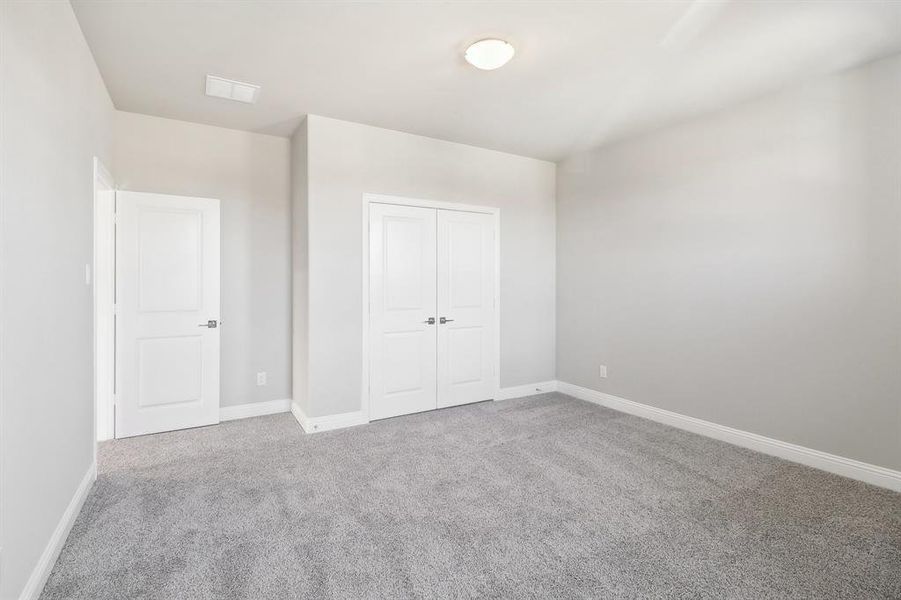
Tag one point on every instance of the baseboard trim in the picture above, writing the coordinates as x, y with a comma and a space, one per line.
302, 419
529, 389
35, 584
351, 419
254, 409
328, 423
861, 471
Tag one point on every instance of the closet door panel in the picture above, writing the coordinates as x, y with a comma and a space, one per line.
402, 299
466, 307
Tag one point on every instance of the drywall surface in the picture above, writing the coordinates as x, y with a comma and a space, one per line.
250, 174
347, 160
743, 268
55, 116
300, 268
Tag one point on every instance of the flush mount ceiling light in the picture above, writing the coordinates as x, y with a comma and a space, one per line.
239, 91
489, 54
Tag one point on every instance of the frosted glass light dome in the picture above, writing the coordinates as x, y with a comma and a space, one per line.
489, 54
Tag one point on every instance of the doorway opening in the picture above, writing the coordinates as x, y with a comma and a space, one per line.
156, 311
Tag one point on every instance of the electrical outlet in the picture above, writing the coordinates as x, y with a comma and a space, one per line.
261, 378
602, 371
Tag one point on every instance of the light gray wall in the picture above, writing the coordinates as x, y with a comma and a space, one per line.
348, 159
300, 267
55, 116
250, 174
745, 267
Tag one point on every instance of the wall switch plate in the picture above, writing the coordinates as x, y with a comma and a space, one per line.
261, 378
602, 371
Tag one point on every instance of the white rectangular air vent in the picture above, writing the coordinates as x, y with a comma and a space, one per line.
219, 87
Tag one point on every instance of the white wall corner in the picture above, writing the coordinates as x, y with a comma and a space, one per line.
254, 409
41, 572
327, 423
529, 389
839, 465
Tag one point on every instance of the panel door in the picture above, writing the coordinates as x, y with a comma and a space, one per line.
402, 302
466, 308
167, 313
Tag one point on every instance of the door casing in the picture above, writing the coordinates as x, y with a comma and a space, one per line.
104, 290
368, 199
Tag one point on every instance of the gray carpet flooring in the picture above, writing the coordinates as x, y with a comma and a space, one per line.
541, 497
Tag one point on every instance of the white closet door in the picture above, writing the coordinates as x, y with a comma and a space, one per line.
466, 310
402, 296
167, 300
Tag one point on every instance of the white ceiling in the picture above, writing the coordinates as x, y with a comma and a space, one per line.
584, 73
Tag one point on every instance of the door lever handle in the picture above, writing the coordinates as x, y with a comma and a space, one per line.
445, 320
431, 321
212, 324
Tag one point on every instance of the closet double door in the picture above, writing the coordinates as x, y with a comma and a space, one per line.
432, 309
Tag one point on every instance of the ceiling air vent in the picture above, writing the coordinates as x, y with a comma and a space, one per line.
239, 91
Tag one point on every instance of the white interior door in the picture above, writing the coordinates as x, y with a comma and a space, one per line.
432, 308
402, 300
167, 313
466, 308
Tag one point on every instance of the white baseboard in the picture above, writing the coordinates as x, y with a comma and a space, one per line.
351, 419
529, 389
320, 424
254, 409
44, 566
832, 463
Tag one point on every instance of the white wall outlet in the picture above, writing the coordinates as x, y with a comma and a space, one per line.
261, 378
602, 371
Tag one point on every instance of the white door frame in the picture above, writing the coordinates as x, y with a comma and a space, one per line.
104, 289
368, 199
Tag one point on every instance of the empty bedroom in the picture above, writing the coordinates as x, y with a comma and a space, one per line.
450, 299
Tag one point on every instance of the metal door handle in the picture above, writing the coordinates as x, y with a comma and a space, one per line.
445, 320
431, 321
212, 324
